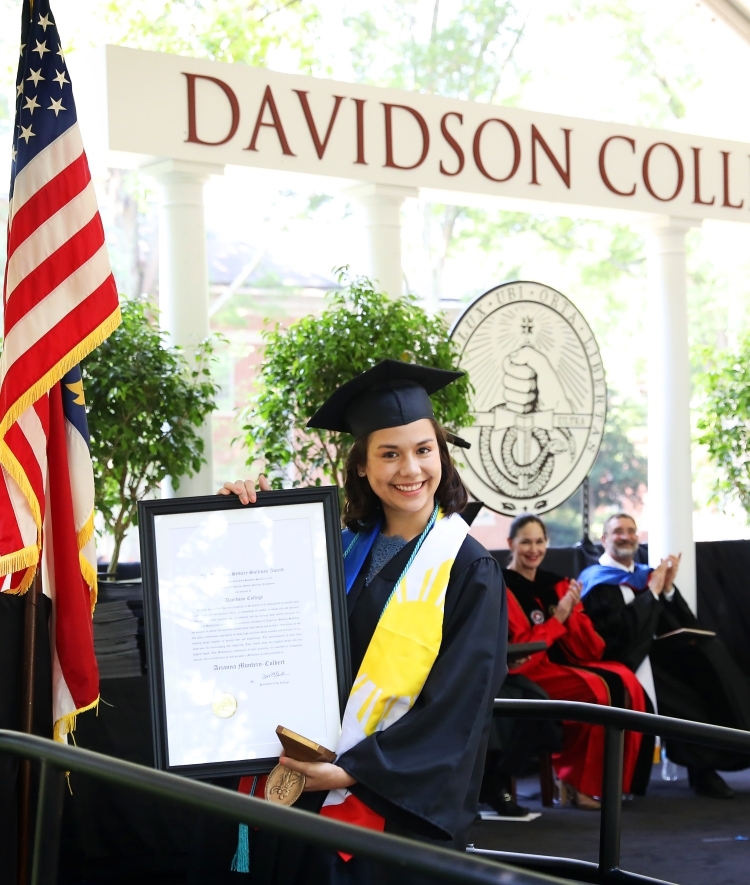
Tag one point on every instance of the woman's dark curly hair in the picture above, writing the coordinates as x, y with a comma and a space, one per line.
362, 506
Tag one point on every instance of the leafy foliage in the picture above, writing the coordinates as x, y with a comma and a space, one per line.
662, 83
466, 54
221, 30
145, 403
305, 363
479, 51
724, 420
621, 471
465, 57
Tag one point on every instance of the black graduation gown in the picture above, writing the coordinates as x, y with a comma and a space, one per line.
700, 682
423, 773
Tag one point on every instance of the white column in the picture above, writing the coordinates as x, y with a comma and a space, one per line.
382, 205
183, 277
670, 478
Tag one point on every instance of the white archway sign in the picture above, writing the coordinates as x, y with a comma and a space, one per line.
183, 119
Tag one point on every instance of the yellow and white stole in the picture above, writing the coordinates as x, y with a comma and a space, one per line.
401, 652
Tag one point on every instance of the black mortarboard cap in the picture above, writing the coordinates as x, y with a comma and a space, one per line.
388, 395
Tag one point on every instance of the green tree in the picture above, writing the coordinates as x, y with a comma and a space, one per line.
660, 71
222, 30
246, 31
621, 471
145, 403
724, 420
619, 474
476, 53
306, 362
463, 55
466, 55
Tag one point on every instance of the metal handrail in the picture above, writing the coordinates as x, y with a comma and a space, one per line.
56, 758
615, 721
647, 723
441, 863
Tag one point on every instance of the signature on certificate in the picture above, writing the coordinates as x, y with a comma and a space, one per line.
274, 675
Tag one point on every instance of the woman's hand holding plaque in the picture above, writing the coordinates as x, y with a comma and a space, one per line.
303, 766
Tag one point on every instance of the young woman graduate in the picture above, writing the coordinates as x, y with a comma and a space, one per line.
546, 607
427, 626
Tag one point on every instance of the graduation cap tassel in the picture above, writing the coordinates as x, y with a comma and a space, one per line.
241, 859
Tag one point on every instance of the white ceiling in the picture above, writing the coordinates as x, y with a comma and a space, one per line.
736, 13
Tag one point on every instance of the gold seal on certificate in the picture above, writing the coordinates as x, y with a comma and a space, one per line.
284, 785
224, 705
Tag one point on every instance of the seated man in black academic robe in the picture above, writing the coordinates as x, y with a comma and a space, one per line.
694, 678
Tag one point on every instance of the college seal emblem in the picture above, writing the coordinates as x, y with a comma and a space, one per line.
540, 398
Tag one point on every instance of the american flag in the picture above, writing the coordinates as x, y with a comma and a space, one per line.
60, 302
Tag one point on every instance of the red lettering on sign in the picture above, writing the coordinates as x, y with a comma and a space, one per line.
320, 147
233, 104
360, 103
478, 149
697, 179
389, 161
727, 202
680, 171
536, 137
452, 142
269, 102
603, 168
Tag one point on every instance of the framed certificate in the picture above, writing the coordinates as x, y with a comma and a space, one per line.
246, 627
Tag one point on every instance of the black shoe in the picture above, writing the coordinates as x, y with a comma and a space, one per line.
505, 806
707, 782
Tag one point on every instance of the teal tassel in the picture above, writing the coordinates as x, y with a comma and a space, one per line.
241, 859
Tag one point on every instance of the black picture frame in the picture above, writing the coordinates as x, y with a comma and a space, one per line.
147, 511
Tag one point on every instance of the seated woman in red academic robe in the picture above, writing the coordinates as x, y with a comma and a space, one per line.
546, 607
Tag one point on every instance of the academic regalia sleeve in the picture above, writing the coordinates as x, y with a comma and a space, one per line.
581, 641
679, 609
628, 629
417, 771
520, 629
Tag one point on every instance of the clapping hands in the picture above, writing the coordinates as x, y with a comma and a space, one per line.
663, 576
569, 601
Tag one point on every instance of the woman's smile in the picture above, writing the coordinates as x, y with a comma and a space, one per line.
410, 488
528, 549
404, 470
532, 558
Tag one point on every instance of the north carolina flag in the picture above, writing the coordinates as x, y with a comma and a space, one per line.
60, 302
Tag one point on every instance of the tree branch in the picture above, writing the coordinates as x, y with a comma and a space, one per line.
278, 9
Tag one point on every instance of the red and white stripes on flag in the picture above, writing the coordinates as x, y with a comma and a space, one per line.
60, 302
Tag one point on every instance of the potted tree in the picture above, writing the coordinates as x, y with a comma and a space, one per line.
145, 405
302, 364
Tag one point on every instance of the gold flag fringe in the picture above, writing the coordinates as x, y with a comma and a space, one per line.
28, 557
66, 725
87, 570
13, 467
47, 381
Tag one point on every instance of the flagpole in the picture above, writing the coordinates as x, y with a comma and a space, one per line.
27, 725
